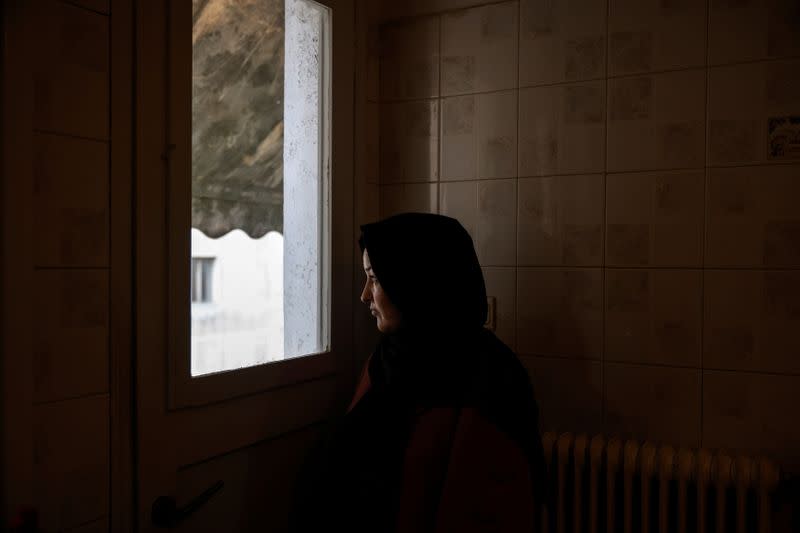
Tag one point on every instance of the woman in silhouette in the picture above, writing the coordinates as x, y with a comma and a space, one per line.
442, 433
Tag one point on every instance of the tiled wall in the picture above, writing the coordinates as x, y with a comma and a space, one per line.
71, 265
610, 159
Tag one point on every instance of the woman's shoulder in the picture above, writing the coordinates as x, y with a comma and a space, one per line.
498, 361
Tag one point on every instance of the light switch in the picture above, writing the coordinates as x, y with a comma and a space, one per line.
491, 323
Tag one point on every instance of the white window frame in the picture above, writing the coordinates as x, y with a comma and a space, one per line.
183, 389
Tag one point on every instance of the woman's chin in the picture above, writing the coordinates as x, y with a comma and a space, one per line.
386, 327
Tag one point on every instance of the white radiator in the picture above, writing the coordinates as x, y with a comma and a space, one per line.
599, 484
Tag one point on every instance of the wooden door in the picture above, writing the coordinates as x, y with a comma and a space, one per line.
248, 428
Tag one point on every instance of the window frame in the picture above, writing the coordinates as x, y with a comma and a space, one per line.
183, 389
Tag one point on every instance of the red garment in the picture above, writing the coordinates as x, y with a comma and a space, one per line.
461, 474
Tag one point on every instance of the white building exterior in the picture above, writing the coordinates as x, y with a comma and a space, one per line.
242, 323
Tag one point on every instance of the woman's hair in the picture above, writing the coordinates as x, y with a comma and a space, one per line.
428, 268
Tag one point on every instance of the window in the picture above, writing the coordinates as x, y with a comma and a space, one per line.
260, 182
201, 279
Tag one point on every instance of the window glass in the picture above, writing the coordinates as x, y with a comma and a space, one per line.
260, 149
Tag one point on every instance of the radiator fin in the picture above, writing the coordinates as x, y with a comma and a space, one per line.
600, 484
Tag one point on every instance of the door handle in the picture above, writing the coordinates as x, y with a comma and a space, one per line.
166, 513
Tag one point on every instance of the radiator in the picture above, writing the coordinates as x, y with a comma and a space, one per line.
599, 484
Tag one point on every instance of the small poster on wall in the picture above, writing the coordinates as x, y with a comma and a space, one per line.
784, 137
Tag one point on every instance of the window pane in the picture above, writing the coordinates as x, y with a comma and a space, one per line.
260, 110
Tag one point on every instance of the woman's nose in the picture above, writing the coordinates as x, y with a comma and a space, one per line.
365, 294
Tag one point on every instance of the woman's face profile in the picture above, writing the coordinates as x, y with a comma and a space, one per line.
384, 311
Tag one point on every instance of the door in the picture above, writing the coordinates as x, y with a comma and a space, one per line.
243, 254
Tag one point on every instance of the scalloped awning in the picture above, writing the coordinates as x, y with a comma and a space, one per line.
237, 116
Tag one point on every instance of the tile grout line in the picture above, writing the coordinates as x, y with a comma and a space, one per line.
439, 118
633, 268
770, 164
379, 103
581, 81
604, 296
649, 364
703, 258
516, 180
408, 19
606, 78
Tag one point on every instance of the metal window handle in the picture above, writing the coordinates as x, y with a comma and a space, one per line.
166, 513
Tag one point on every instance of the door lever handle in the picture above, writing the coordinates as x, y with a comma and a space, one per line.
166, 513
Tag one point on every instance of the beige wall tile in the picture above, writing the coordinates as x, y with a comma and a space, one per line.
742, 99
412, 197
581, 207
460, 201
497, 134
560, 221
496, 226
562, 41
372, 142
751, 320
367, 204
409, 141
658, 208
655, 218
71, 462
737, 130
562, 129
752, 29
752, 413
653, 316
71, 83
70, 201
539, 225
479, 49
560, 312
753, 216
71, 334
656, 122
373, 74
652, 35
653, 402
459, 138
501, 283
409, 61
569, 393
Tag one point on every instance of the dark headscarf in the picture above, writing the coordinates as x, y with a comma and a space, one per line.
427, 266
441, 355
